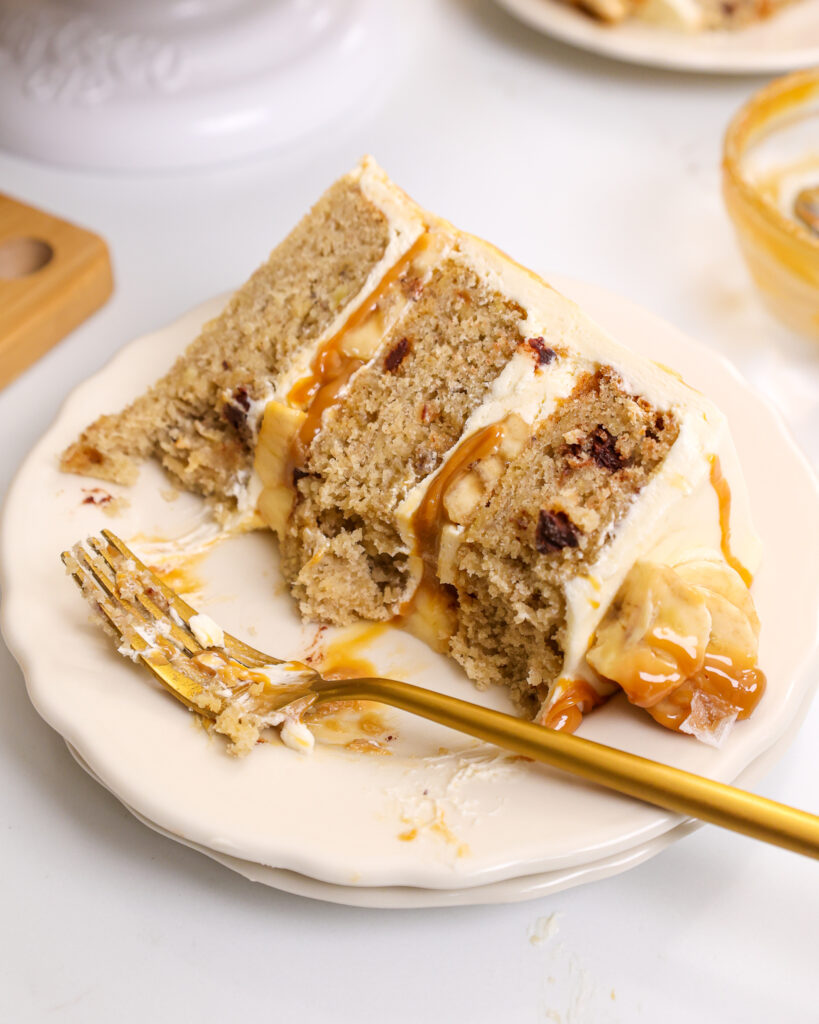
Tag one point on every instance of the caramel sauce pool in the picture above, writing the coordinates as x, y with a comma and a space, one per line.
357, 725
735, 682
577, 699
180, 574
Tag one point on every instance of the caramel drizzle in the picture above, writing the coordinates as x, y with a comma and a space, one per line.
430, 612
735, 681
736, 684
342, 656
216, 672
331, 368
429, 518
577, 699
231, 672
723, 492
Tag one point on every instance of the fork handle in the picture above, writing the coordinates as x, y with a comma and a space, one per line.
660, 784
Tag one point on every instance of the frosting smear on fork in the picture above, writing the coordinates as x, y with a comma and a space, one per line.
241, 702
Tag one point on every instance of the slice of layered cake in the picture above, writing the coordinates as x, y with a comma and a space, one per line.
440, 439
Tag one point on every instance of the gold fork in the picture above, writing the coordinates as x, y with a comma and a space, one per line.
172, 651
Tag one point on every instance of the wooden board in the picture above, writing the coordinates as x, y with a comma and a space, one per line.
52, 276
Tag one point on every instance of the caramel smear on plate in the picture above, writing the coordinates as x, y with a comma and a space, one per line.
360, 726
181, 574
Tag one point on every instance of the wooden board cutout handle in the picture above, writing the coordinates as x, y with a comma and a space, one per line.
52, 276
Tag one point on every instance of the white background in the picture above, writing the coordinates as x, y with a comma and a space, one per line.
568, 162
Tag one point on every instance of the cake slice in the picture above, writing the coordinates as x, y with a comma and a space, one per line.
441, 440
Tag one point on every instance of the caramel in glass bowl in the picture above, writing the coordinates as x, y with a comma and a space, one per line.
770, 159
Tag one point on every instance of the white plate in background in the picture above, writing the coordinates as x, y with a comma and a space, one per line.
785, 42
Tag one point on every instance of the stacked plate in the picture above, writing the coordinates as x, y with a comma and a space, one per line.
440, 820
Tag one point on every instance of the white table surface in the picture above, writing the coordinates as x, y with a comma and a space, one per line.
601, 171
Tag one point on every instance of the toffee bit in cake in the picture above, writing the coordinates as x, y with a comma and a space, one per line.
241, 398
395, 356
235, 410
412, 287
543, 354
424, 462
659, 426
235, 416
603, 450
554, 532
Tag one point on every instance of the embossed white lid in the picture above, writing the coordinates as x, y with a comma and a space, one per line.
112, 85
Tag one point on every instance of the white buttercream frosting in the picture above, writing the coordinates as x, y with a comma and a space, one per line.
297, 736
206, 631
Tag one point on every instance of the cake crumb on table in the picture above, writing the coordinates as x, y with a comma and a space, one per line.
544, 928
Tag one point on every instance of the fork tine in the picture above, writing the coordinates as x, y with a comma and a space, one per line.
242, 702
89, 583
98, 571
179, 685
182, 608
124, 613
183, 637
237, 649
96, 575
130, 609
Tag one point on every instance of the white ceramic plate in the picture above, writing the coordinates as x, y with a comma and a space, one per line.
393, 897
479, 817
787, 41
509, 890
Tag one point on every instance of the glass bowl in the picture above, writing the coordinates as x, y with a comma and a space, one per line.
771, 152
